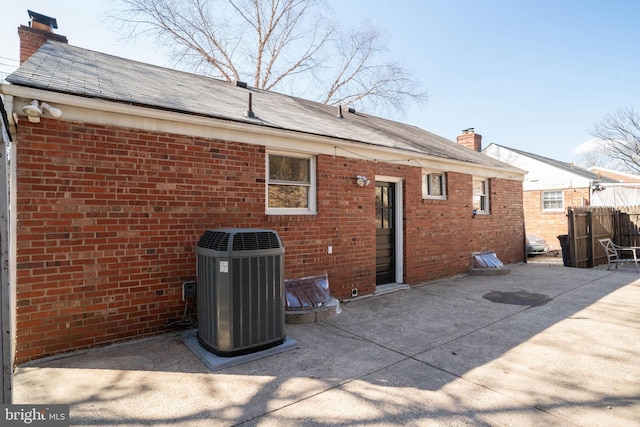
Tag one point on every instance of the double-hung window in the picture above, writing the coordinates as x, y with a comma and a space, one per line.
552, 200
291, 184
481, 196
434, 186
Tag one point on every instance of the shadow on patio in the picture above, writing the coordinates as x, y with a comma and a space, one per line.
438, 353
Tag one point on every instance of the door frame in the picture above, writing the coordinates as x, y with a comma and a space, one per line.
399, 225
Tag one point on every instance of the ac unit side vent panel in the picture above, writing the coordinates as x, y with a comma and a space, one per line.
258, 313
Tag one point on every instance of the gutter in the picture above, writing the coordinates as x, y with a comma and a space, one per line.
129, 115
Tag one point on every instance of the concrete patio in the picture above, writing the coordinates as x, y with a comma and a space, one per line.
438, 354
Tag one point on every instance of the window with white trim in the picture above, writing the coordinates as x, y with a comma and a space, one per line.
481, 196
291, 184
553, 200
434, 186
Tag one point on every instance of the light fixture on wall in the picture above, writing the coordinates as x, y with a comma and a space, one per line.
597, 186
36, 109
363, 180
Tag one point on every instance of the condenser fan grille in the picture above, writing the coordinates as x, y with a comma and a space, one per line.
242, 241
216, 240
255, 241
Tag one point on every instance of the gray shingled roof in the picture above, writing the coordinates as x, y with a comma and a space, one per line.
60, 67
568, 167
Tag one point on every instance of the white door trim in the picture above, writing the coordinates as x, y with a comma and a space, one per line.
399, 225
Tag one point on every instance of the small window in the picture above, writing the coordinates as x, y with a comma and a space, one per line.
552, 200
481, 196
290, 184
434, 186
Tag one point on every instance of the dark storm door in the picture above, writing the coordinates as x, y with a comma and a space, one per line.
385, 233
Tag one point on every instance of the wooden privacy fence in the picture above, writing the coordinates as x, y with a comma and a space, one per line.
588, 224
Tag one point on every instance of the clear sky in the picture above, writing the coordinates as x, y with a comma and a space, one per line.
531, 75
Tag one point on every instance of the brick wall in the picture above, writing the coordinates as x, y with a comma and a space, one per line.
470, 139
32, 38
108, 220
549, 225
444, 233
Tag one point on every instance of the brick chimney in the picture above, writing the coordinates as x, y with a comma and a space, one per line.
40, 30
470, 139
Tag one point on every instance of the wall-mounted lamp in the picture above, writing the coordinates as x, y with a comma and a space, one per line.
35, 110
597, 186
363, 180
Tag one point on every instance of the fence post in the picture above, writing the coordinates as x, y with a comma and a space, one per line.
590, 238
571, 237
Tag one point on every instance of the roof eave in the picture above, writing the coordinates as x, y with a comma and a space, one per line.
352, 148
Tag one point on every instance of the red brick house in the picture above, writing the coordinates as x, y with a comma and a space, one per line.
114, 192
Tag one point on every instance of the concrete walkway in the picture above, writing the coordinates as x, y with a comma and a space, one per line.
434, 355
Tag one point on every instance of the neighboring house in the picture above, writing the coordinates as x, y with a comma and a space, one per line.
113, 195
550, 187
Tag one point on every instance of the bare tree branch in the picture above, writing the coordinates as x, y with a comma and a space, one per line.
618, 136
364, 78
277, 44
278, 27
594, 157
